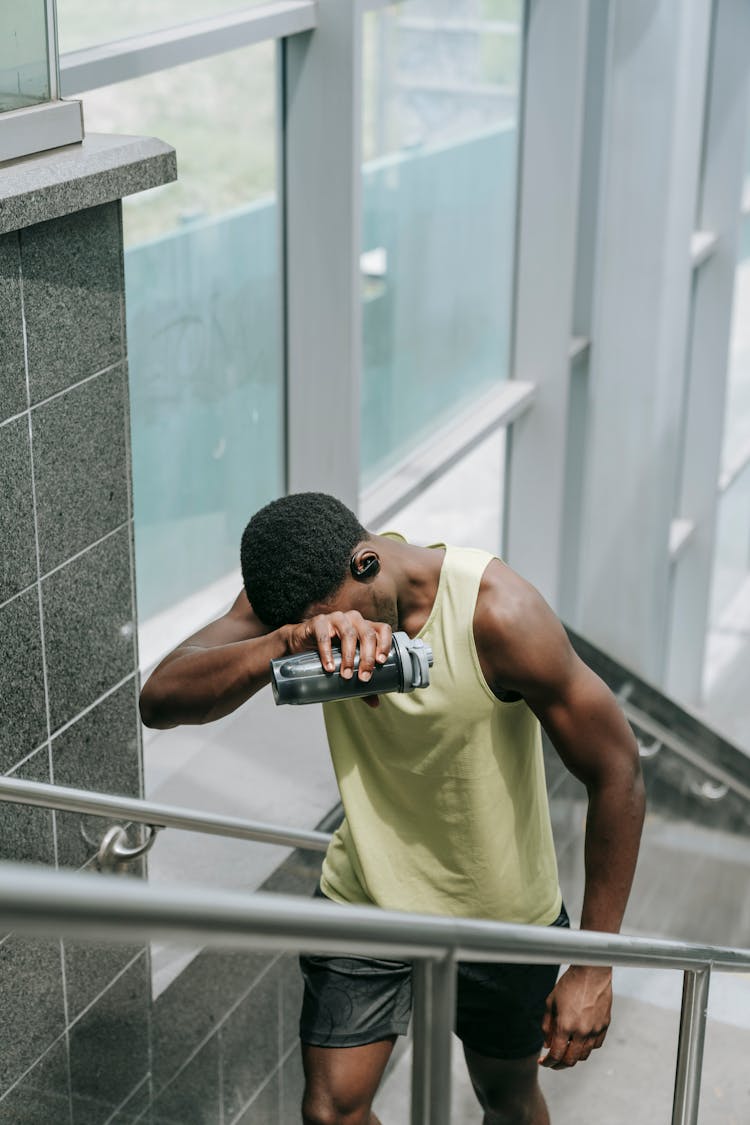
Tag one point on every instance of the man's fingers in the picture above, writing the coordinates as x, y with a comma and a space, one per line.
563, 1054
368, 641
384, 641
558, 1046
348, 636
322, 634
371, 700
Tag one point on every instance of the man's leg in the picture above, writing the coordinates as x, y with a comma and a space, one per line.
340, 1082
508, 1089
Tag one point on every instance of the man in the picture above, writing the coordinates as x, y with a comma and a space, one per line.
443, 789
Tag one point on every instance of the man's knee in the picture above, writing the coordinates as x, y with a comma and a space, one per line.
508, 1093
324, 1109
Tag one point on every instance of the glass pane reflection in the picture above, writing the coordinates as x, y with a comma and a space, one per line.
441, 99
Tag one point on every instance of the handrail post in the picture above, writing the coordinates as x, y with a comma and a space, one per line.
687, 1087
420, 1058
441, 1037
434, 1016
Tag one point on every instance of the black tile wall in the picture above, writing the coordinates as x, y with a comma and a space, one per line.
250, 1042
193, 1098
193, 1006
80, 467
66, 277
24, 723
90, 967
42, 1097
18, 554
265, 1108
99, 751
109, 1049
12, 369
26, 833
292, 1088
136, 1109
89, 629
31, 1002
72, 285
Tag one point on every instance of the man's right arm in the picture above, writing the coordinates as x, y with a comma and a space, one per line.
216, 670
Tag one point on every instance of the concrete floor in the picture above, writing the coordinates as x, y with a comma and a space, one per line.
630, 1079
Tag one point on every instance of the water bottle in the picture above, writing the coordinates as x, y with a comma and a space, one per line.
302, 679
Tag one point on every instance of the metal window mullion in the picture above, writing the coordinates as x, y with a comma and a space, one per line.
549, 160
322, 134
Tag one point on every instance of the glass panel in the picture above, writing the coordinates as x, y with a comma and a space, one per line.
441, 98
441, 514
203, 314
737, 418
83, 24
24, 61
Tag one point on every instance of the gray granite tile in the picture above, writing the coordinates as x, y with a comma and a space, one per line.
265, 1108
292, 1088
109, 1052
196, 1002
26, 834
101, 752
90, 968
63, 180
290, 983
136, 1109
24, 724
80, 467
192, 1098
31, 1002
42, 1097
89, 629
12, 368
18, 555
72, 284
250, 1043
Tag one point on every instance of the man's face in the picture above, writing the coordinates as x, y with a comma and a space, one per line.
371, 599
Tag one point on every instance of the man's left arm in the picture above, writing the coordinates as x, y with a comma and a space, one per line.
595, 742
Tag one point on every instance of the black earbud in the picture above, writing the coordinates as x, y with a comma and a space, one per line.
364, 567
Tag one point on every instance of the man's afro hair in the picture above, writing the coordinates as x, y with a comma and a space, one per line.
295, 552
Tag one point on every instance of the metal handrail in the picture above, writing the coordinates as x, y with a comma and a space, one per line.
156, 815
38, 901
679, 746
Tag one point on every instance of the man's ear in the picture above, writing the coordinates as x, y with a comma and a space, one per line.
364, 565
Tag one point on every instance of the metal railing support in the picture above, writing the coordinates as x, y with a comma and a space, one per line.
421, 1057
443, 974
434, 987
687, 1087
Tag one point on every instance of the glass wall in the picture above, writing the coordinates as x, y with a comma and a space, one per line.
203, 309
24, 60
441, 98
83, 24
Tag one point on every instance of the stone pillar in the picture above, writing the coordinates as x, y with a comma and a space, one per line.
74, 1038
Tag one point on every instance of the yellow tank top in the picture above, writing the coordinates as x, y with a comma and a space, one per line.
443, 790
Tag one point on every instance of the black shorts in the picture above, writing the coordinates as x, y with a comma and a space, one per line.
350, 1001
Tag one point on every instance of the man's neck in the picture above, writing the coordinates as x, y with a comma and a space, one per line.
417, 571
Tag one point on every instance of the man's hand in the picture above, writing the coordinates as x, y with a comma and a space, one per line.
371, 638
579, 1009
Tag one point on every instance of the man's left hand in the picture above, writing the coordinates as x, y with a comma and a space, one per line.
579, 1010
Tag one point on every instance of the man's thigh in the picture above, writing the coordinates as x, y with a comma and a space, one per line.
353, 1001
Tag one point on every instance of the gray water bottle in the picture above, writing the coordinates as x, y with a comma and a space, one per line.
302, 679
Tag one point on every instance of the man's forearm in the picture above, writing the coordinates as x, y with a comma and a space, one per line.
613, 833
198, 685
